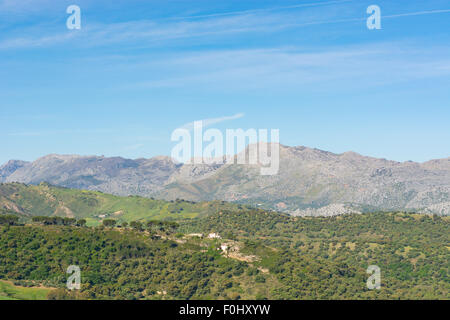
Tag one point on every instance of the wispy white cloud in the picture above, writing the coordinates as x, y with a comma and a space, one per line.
58, 132
35, 42
153, 32
26, 134
288, 68
417, 13
22, 5
245, 12
139, 33
212, 121
338, 21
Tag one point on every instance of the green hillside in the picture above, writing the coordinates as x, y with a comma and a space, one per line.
47, 200
267, 255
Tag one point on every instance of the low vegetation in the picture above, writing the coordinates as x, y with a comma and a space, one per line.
253, 254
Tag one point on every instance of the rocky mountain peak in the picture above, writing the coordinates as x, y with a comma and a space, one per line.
10, 167
308, 179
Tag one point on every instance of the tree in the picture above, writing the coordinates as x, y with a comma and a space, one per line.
109, 223
9, 219
69, 221
136, 225
150, 224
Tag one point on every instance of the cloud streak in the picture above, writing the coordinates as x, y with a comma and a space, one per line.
418, 13
254, 11
289, 68
209, 122
153, 32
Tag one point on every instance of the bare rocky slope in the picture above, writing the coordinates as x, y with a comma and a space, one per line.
111, 175
310, 181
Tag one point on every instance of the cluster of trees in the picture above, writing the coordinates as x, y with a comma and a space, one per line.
164, 226
9, 219
59, 221
151, 226
109, 223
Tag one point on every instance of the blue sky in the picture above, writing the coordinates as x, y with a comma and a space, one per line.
137, 70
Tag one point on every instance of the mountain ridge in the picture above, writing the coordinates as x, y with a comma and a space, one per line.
309, 179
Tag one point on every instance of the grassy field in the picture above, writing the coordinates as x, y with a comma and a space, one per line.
8, 291
46, 200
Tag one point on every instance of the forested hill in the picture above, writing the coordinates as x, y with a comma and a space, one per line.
258, 255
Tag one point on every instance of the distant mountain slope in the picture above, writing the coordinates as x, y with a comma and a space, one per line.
308, 180
47, 200
112, 175
312, 179
10, 167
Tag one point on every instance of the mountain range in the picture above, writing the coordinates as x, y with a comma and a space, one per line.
310, 182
